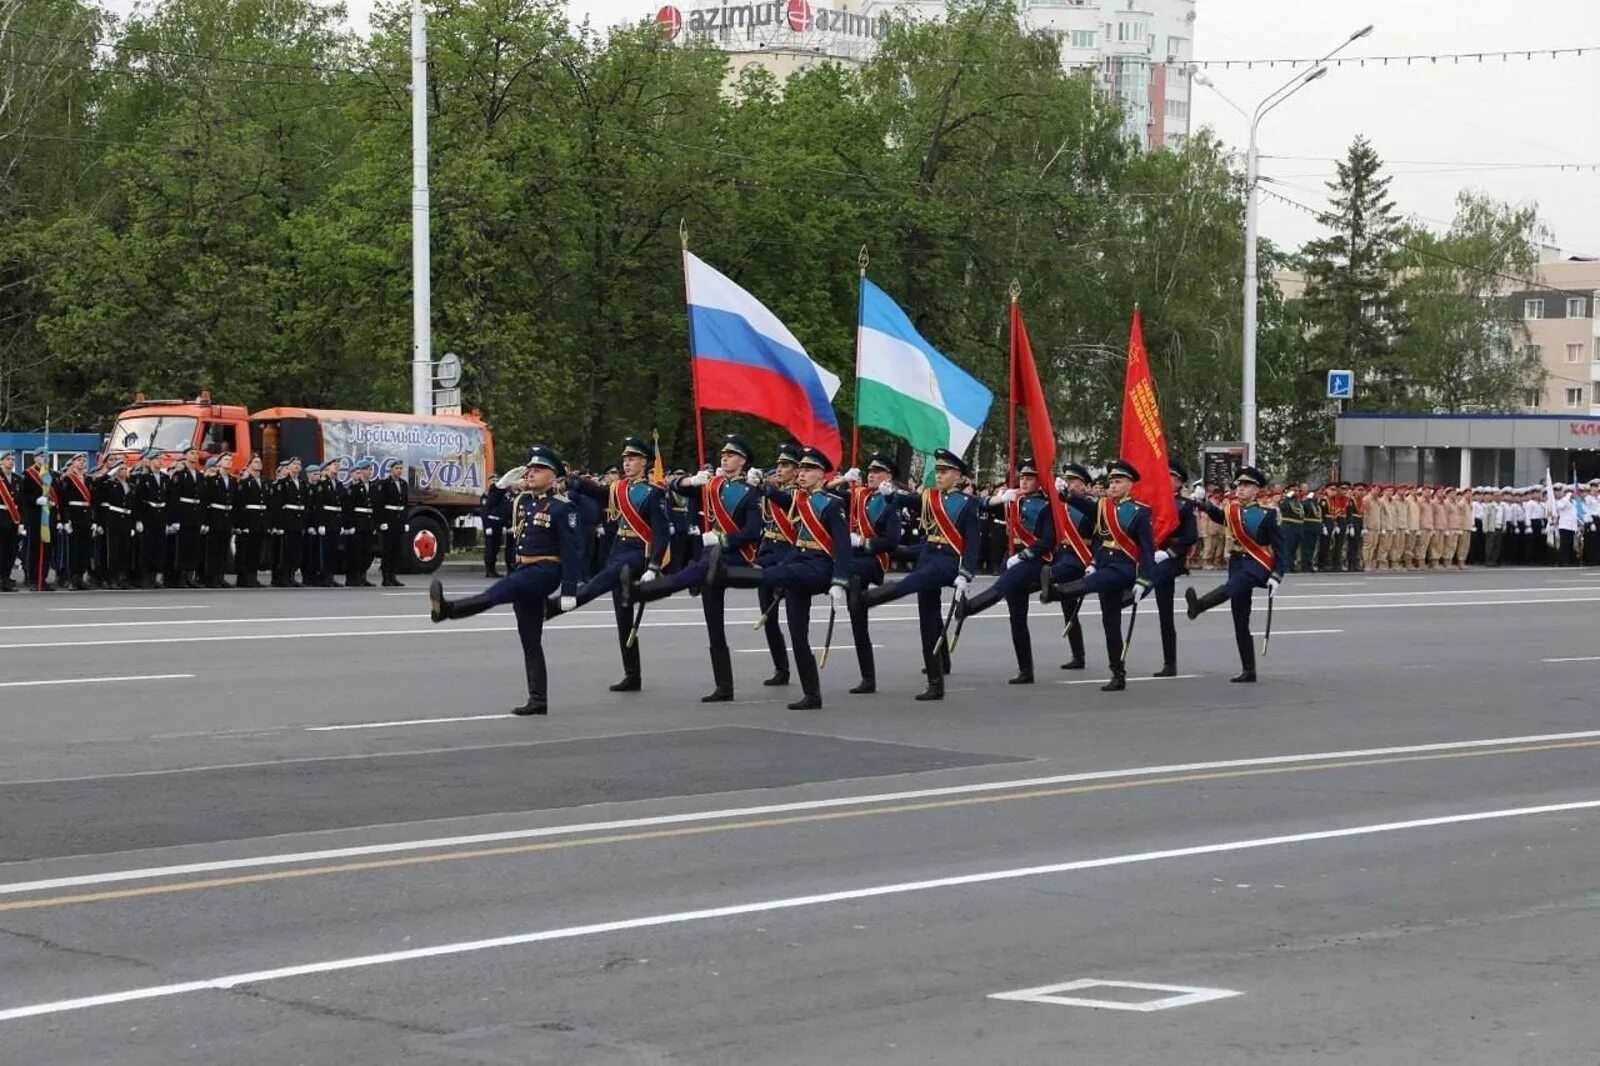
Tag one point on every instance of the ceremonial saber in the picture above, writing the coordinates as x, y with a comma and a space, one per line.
827, 637
638, 617
767, 617
1127, 641
1072, 617
1267, 638
955, 638
944, 633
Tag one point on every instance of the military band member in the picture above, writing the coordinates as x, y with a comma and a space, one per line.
1257, 561
1171, 563
875, 534
1073, 557
10, 520
948, 557
549, 558
216, 495
362, 522
1124, 558
819, 562
777, 543
76, 501
391, 500
639, 508
1031, 538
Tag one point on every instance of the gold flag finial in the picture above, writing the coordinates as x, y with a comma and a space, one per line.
863, 259
1015, 290
683, 233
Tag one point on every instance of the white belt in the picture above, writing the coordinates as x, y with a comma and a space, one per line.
333, 510
119, 510
77, 503
394, 507
187, 499
255, 507
362, 510
219, 507
152, 503
294, 507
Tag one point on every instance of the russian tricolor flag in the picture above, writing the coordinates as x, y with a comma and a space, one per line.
744, 359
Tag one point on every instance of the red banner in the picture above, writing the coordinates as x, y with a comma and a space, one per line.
1028, 394
1144, 441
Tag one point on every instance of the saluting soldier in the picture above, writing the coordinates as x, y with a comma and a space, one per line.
331, 524
1031, 540
777, 542
1172, 562
184, 512
1310, 529
116, 519
875, 534
77, 522
10, 520
1124, 558
361, 519
392, 497
549, 558
948, 557
819, 562
1291, 519
1256, 561
491, 513
1074, 555
290, 494
639, 509
250, 519
217, 492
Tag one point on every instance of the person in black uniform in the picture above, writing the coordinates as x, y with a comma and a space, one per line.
1031, 533
331, 526
250, 520
819, 562
290, 494
311, 552
639, 508
10, 520
77, 521
99, 478
361, 520
393, 495
777, 544
549, 557
216, 494
150, 517
491, 512
948, 557
115, 510
875, 534
1124, 557
184, 510
1256, 561
1073, 556
1172, 562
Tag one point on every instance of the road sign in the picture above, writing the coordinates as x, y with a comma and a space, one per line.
447, 372
1341, 384
447, 401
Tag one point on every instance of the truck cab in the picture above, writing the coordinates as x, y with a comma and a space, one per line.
172, 427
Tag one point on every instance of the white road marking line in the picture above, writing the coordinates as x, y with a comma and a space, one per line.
1574, 659
814, 650
95, 680
163, 607
405, 721
1103, 680
1187, 996
573, 932
977, 788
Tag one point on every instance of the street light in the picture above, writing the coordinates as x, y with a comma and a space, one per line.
1252, 180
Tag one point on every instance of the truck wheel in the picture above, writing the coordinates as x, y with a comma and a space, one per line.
426, 546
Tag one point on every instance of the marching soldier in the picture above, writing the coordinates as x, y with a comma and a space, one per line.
819, 562
875, 532
391, 499
948, 557
361, 520
216, 492
549, 558
10, 520
290, 495
639, 509
777, 543
1075, 555
1256, 561
1124, 557
77, 522
1031, 535
1171, 563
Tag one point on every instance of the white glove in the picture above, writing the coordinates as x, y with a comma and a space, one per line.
322, 531
43, 501
1162, 556
647, 577
513, 477
857, 541
1013, 560
96, 530
1088, 570
754, 478
138, 527
569, 603
383, 527
836, 594
853, 475
66, 527
1061, 484
702, 478
961, 587
204, 530
1004, 496
886, 489
1272, 586
173, 528
708, 539
1199, 493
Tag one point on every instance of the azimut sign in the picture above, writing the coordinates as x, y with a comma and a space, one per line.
797, 16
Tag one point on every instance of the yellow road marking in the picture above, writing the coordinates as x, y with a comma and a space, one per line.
173, 888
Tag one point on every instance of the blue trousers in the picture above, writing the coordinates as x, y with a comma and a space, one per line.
1109, 583
629, 553
934, 571
526, 588
773, 553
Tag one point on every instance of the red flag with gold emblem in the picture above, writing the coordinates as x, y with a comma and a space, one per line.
1144, 440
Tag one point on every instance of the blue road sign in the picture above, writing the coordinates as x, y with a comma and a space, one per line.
1341, 384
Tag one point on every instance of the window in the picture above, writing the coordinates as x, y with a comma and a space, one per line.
1177, 109
1575, 397
1083, 38
1175, 47
1130, 31
1575, 353
1575, 308
1533, 351
1532, 308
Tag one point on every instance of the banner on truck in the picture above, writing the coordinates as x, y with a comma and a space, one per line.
441, 460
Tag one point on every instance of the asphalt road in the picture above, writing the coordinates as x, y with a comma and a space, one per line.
298, 827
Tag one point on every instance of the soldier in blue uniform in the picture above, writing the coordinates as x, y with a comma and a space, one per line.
875, 532
1124, 557
1072, 556
731, 523
777, 544
639, 509
1257, 560
549, 557
490, 507
1172, 562
819, 562
949, 556
1031, 537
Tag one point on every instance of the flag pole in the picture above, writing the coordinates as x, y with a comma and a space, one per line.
855, 419
694, 364
1011, 362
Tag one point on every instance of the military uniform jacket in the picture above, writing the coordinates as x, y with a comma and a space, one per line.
728, 507
390, 497
876, 519
183, 497
492, 509
1124, 538
33, 490
216, 496
1183, 538
10, 501
358, 512
1263, 548
820, 525
639, 510
76, 501
114, 505
1030, 526
150, 498
547, 528
328, 507
948, 522
289, 496
250, 504
1291, 510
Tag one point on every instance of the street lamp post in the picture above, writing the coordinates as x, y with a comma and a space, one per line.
1247, 413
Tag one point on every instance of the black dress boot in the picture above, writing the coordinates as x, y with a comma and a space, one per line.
1169, 649
722, 675
631, 681
978, 602
441, 608
1198, 605
810, 684
935, 689
533, 665
862, 637
1247, 658
1050, 592
552, 606
1118, 682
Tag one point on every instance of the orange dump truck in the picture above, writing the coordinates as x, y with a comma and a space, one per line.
449, 459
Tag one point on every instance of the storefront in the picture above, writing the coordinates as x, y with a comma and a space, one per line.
1467, 450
